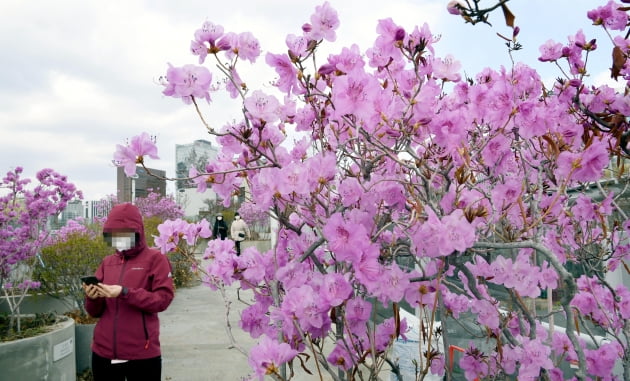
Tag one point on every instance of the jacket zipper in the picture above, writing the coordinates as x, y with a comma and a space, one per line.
146, 331
120, 277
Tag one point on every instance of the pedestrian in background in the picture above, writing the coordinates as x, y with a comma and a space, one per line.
220, 229
134, 285
238, 232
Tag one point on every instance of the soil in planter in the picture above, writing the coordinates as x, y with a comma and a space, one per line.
30, 326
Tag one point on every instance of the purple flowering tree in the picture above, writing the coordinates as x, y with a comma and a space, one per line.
24, 212
465, 198
154, 205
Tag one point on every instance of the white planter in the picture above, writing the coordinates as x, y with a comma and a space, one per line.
46, 357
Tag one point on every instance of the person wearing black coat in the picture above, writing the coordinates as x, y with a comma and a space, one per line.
220, 229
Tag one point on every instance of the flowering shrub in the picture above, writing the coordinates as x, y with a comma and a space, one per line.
75, 250
23, 215
154, 205
485, 184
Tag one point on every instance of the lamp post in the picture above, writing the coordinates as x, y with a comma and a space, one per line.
133, 187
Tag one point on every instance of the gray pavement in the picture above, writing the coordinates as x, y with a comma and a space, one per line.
195, 343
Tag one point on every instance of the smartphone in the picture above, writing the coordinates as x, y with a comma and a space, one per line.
89, 280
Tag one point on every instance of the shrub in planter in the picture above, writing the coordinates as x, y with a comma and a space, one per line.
75, 251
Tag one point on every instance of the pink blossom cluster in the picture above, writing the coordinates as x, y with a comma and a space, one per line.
155, 205
172, 231
480, 184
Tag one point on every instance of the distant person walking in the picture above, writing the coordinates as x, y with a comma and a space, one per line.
134, 284
220, 229
238, 231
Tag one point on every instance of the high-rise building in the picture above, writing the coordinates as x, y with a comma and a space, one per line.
197, 153
129, 188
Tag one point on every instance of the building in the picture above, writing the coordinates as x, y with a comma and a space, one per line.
97, 208
128, 188
197, 153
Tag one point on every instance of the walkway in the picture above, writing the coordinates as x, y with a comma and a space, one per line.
194, 339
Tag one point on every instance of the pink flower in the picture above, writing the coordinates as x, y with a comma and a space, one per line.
386, 332
421, 294
453, 7
209, 32
169, 234
593, 161
340, 357
354, 94
358, 311
428, 239
303, 303
297, 44
285, 69
550, 51
610, 16
254, 319
447, 69
323, 24
473, 363
344, 240
350, 191
600, 362
348, 60
268, 355
487, 313
507, 193
438, 365
199, 49
133, 154
248, 47
335, 289
262, 106
187, 82
459, 233
393, 284
495, 150
566, 161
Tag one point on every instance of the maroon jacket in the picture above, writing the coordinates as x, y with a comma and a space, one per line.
128, 328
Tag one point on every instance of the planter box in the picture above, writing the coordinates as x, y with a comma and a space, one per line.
49, 356
84, 334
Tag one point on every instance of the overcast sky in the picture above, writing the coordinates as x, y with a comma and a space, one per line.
78, 77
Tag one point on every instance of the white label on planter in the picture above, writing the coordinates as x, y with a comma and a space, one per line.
63, 349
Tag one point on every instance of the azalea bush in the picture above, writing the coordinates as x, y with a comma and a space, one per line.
494, 187
24, 211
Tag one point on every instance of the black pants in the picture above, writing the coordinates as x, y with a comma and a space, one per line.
238, 247
132, 370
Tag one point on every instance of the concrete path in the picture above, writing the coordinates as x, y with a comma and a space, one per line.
195, 344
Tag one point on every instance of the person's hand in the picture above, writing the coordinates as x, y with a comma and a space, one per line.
109, 290
92, 291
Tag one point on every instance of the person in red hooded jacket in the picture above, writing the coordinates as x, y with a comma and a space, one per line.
134, 285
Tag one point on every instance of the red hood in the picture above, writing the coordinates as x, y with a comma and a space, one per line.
127, 216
